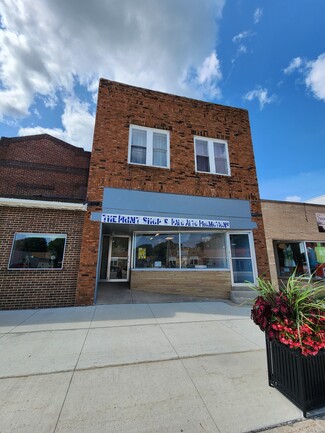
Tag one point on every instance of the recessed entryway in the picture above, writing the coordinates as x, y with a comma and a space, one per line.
120, 293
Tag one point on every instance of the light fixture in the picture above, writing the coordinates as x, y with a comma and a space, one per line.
169, 238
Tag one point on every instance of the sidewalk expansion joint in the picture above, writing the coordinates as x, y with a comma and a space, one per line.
73, 372
120, 326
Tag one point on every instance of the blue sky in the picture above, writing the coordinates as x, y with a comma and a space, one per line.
265, 56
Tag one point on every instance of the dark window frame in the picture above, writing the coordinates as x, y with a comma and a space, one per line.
30, 235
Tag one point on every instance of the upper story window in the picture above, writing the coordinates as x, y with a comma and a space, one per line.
148, 146
211, 156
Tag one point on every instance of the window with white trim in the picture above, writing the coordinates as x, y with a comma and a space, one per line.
211, 156
148, 146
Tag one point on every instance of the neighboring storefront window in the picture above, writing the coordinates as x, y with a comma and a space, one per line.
304, 258
316, 258
37, 251
181, 250
320, 218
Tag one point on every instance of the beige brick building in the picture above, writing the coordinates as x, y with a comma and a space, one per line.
295, 238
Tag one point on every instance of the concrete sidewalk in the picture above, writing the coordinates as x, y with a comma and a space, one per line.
138, 368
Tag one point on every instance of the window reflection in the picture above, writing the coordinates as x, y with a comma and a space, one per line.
303, 258
35, 251
203, 250
181, 250
157, 251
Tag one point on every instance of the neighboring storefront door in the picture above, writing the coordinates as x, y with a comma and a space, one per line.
242, 258
119, 259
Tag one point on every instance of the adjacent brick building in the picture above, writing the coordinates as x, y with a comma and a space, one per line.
173, 200
295, 238
43, 167
43, 184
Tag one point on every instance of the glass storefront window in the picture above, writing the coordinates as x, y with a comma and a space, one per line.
37, 250
304, 258
292, 258
316, 258
157, 250
203, 251
181, 250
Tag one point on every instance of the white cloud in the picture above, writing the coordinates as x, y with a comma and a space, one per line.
208, 76
242, 49
48, 46
258, 15
261, 95
315, 79
78, 125
313, 72
242, 35
295, 198
210, 69
295, 64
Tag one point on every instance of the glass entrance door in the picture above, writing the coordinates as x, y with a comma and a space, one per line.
242, 264
118, 258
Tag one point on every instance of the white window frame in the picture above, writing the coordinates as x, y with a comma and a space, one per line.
252, 258
149, 146
210, 142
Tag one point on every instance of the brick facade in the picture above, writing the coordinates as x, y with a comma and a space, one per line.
119, 106
285, 221
39, 288
191, 283
43, 167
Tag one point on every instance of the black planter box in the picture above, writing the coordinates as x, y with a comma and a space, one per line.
300, 378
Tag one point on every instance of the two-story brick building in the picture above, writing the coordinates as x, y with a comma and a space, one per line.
171, 206
173, 200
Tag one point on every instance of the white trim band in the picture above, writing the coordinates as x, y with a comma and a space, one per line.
15, 202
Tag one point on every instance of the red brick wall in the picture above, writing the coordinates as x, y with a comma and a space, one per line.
88, 260
42, 166
39, 288
118, 107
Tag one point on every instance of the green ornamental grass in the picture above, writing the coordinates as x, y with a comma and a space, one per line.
294, 314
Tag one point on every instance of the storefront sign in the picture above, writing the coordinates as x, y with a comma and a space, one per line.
164, 221
320, 218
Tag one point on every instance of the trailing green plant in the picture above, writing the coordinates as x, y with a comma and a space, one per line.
294, 314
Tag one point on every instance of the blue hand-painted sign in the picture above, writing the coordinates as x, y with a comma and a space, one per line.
164, 221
